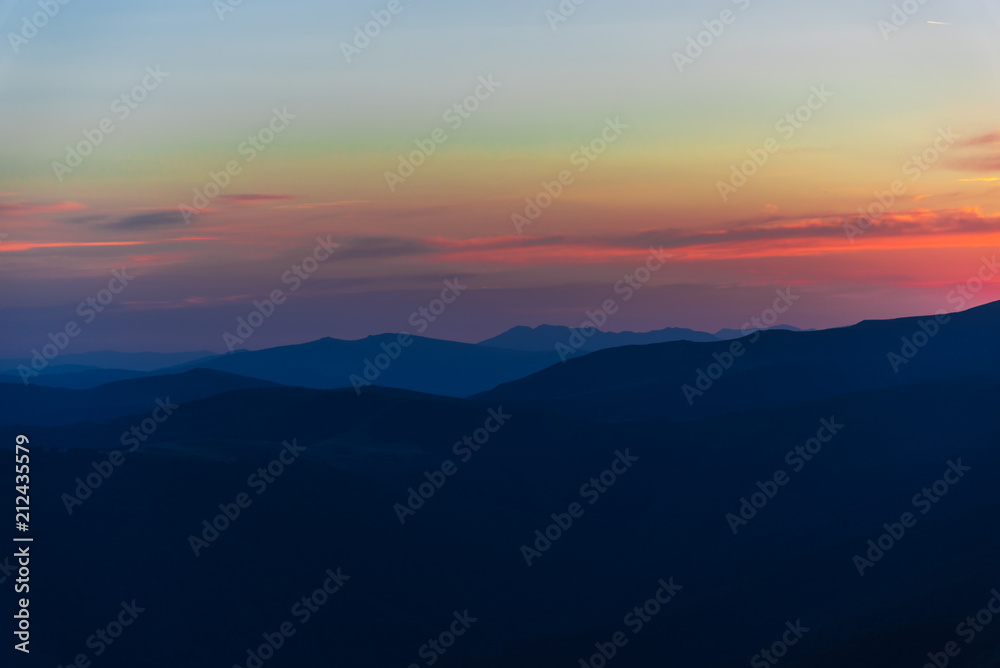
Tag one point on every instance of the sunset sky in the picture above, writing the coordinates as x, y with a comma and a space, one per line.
930, 86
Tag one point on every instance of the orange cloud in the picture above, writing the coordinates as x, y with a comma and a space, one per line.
26, 208
32, 245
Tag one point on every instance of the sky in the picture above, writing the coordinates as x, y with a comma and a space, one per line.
629, 125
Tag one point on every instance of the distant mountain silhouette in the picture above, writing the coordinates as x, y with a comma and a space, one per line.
40, 405
69, 362
88, 370
545, 338
75, 378
644, 382
80, 371
728, 334
426, 365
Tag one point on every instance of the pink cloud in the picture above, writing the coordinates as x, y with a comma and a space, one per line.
982, 163
983, 160
917, 228
988, 139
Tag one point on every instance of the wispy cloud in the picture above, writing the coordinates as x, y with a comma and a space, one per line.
979, 163
804, 237
322, 205
145, 221
27, 208
988, 139
34, 245
355, 248
83, 220
254, 198
22, 246
978, 154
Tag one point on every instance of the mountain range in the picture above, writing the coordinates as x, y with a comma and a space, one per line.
441, 506
424, 365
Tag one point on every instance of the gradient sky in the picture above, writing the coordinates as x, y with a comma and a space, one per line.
657, 184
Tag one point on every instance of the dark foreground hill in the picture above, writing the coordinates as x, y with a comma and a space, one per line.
657, 518
682, 380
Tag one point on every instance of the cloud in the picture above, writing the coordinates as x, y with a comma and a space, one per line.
254, 198
355, 248
918, 222
83, 220
320, 205
145, 221
22, 207
442, 248
989, 139
48, 247
802, 237
978, 154
980, 163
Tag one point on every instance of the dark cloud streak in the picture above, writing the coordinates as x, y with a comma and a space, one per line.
146, 221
